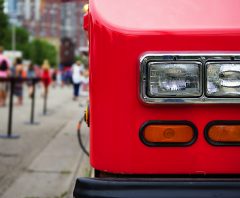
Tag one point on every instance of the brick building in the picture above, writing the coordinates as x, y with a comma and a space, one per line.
51, 19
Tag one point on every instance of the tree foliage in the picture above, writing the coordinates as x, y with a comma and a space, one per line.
22, 40
41, 50
3, 23
37, 50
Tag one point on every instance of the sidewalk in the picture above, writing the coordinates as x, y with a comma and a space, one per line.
46, 160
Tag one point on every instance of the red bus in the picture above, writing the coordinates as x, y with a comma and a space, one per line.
164, 99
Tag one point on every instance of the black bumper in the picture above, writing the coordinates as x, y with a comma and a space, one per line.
139, 188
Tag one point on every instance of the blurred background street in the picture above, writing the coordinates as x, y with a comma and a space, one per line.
44, 70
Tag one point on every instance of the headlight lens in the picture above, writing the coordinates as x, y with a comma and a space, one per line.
174, 79
223, 79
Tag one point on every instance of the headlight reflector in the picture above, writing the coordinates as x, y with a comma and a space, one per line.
223, 79
174, 79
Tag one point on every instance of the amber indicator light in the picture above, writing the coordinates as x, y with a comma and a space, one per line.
224, 133
167, 134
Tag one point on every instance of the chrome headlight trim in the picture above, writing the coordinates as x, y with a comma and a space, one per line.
202, 58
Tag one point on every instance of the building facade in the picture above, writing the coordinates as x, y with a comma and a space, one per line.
51, 19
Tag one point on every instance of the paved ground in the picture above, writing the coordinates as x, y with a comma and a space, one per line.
46, 159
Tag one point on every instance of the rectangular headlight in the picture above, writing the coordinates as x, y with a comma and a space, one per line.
223, 79
174, 79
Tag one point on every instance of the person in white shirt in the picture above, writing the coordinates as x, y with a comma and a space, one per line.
77, 77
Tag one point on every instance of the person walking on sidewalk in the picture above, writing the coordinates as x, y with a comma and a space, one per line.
18, 72
4, 73
46, 77
30, 75
77, 75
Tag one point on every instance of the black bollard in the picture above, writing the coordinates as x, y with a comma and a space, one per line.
33, 104
12, 83
9, 132
45, 104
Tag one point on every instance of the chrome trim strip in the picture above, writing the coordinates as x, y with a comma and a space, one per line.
198, 57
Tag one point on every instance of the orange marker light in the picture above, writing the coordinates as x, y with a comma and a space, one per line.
164, 134
224, 133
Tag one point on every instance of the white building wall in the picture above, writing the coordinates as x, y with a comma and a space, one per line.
27, 8
37, 9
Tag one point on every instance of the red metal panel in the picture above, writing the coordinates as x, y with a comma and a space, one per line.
116, 111
66, 1
177, 16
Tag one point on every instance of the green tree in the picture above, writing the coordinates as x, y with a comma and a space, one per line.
22, 41
22, 35
37, 51
3, 23
41, 50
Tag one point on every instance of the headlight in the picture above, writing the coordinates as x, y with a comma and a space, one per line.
223, 79
190, 78
174, 79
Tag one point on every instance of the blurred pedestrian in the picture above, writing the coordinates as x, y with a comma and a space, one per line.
59, 78
4, 73
77, 75
67, 76
54, 77
30, 75
19, 74
46, 77
85, 83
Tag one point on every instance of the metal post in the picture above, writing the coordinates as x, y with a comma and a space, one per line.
12, 83
33, 103
32, 113
45, 104
9, 132
13, 37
